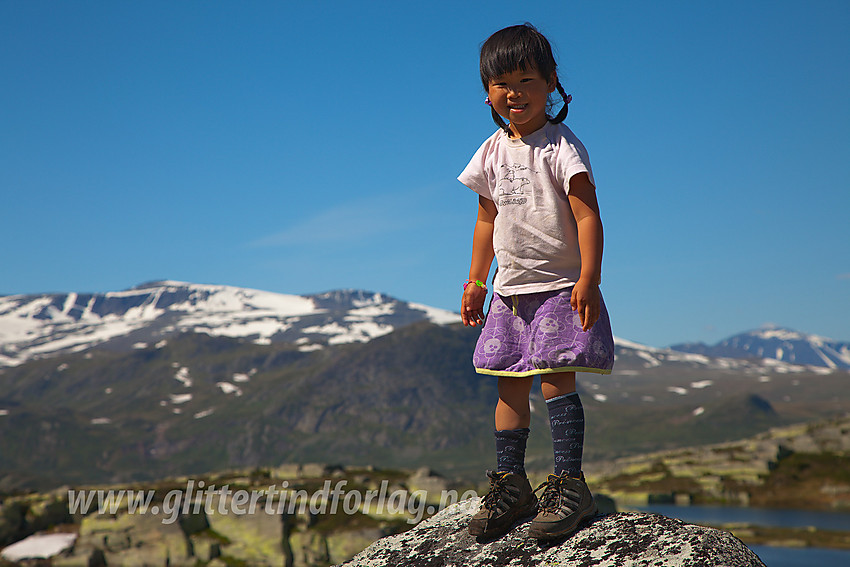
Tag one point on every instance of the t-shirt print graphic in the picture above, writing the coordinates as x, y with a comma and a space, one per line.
511, 183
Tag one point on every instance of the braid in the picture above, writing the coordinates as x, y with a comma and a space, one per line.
499, 122
564, 109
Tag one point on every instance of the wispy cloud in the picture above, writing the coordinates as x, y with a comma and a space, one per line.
845, 276
350, 222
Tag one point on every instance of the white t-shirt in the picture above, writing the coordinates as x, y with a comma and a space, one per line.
535, 236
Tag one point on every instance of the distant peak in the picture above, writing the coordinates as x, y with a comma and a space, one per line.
633, 345
772, 331
358, 295
160, 283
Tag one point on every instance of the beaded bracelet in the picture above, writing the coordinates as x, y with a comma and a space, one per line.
479, 283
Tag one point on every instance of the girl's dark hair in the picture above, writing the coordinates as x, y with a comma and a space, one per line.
519, 48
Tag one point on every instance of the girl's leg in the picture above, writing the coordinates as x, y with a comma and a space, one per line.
510, 496
566, 418
558, 384
566, 500
513, 417
512, 411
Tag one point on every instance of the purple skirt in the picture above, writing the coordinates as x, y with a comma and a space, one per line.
539, 333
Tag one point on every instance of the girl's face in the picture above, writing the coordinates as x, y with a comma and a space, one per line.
520, 97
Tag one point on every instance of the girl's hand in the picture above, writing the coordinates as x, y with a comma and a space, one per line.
586, 300
472, 305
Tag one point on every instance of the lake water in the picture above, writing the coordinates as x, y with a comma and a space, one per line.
807, 557
839, 521
771, 556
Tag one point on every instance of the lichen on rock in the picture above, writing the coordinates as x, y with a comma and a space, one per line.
633, 539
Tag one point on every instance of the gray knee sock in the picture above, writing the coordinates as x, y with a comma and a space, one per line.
566, 417
510, 450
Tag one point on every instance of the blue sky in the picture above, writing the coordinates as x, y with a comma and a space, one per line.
299, 147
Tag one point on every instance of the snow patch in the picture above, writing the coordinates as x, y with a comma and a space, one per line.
229, 388
782, 367
227, 299
688, 357
370, 311
771, 332
437, 316
180, 398
636, 346
376, 299
357, 332
183, 377
264, 328
9, 361
39, 546
651, 360
819, 350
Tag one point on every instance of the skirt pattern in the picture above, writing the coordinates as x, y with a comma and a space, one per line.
539, 333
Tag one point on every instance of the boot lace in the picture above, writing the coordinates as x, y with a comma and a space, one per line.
554, 491
497, 485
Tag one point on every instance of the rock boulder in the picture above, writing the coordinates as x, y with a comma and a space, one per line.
625, 539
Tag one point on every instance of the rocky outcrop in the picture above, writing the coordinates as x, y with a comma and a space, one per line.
26, 515
798, 466
633, 539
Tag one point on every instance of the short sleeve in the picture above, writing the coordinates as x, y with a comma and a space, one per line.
477, 175
572, 159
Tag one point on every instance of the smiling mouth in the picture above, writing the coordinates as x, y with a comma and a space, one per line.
517, 107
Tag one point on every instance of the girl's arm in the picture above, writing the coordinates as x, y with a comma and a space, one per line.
472, 302
586, 297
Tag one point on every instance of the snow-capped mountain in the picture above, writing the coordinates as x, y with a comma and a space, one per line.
634, 358
36, 326
33, 326
776, 343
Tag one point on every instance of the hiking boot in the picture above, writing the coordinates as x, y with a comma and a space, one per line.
510, 499
566, 501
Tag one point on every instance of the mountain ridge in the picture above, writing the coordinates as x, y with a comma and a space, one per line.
777, 343
34, 326
37, 325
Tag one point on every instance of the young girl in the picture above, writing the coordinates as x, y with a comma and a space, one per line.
538, 215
